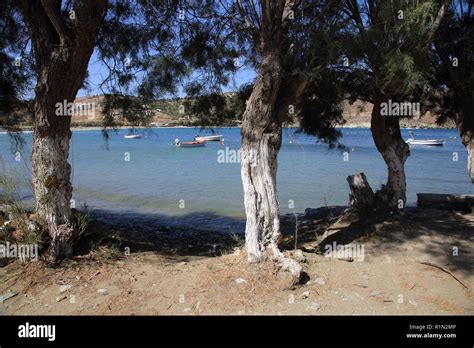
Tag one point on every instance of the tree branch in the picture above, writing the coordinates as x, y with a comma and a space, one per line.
437, 22
54, 15
289, 6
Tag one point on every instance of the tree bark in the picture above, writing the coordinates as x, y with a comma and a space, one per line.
62, 54
395, 151
51, 173
469, 143
261, 136
261, 140
461, 101
465, 125
361, 198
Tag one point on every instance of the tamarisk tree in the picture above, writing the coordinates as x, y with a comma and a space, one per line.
221, 37
387, 64
261, 130
13, 81
453, 58
272, 37
60, 39
63, 42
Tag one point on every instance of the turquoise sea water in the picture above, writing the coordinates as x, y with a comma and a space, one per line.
188, 186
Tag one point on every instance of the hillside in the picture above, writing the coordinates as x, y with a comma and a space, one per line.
358, 115
178, 112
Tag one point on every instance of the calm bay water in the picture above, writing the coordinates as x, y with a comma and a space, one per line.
188, 187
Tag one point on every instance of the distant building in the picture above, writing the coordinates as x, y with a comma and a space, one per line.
88, 109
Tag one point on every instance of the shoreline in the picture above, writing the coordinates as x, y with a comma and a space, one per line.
98, 128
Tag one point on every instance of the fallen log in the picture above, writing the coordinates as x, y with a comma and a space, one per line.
444, 201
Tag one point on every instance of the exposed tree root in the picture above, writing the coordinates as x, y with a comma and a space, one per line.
287, 264
444, 270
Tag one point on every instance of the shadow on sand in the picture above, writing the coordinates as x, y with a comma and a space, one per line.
444, 236
159, 233
432, 231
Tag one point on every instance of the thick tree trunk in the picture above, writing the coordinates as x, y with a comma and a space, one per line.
261, 134
466, 131
470, 157
261, 141
51, 175
62, 54
395, 151
460, 100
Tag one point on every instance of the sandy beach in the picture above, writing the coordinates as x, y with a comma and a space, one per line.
133, 267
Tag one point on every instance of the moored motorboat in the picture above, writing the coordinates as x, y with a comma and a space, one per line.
208, 138
427, 142
179, 143
133, 136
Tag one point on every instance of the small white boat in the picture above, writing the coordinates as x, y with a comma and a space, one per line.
428, 142
208, 138
133, 136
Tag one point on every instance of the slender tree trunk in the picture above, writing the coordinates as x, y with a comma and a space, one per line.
395, 151
62, 54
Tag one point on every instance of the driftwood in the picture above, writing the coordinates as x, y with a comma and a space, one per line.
446, 201
362, 196
444, 270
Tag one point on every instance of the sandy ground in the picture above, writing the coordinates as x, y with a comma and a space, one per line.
390, 280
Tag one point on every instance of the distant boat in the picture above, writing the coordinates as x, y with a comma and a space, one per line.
208, 138
179, 143
133, 136
428, 142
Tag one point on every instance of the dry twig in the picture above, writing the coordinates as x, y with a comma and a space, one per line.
444, 270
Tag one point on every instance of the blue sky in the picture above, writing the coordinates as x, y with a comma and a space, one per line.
98, 72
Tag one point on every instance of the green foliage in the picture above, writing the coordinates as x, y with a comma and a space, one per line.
215, 109
14, 72
9, 195
119, 110
219, 109
401, 74
21, 228
453, 59
321, 110
108, 252
83, 219
387, 46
